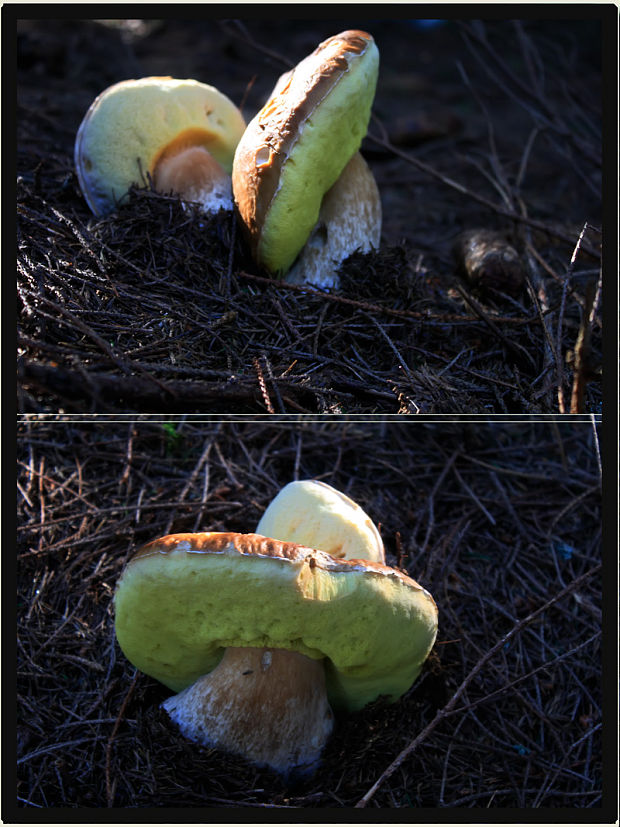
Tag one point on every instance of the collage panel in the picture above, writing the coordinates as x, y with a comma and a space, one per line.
320, 216
292, 613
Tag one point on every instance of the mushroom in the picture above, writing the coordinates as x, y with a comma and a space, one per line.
180, 133
260, 637
314, 514
487, 261
294, 151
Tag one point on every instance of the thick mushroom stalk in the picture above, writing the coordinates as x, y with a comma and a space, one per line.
269, 705
349, 221
195, 176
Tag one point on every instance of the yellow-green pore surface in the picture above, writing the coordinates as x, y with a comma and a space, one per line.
311, 128
177, 611
130, 124
314, 514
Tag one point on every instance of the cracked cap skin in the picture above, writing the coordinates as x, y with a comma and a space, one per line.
185, 598
295, 148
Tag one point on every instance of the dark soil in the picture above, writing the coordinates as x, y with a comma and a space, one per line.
492, 127
500, 522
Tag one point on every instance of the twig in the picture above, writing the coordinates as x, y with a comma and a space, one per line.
70, 384
448, 709
558, 345
274, 384
473, 496
231, 254
377, 308
125, 476
108, 750
55, 746
262, 385
581, 358
525, 157
529, 674
538, 295
431, 507
597, 447
401, 361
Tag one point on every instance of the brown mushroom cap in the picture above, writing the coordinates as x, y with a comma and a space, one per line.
185, 598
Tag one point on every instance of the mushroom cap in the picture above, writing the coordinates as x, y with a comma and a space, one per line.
297, 145
183, 599
349, 221
133, 125
314, 514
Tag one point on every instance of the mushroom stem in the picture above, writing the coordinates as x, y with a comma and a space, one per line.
194, 175
349, 220
269, 705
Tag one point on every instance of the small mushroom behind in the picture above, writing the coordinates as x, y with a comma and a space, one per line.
261, 638
488, 262
181, 134
349, 222
313, 513
295, 149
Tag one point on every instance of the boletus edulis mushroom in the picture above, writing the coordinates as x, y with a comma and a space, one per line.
180, 135
261, 638
305, 197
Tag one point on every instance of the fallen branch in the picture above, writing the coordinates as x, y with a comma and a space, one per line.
110, 787
74, 384
426, 316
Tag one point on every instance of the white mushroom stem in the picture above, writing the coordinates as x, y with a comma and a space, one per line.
349, 220
194, 175
269, 705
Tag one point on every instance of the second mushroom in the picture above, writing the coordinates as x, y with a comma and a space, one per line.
305, 196
261, 637
180, 135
